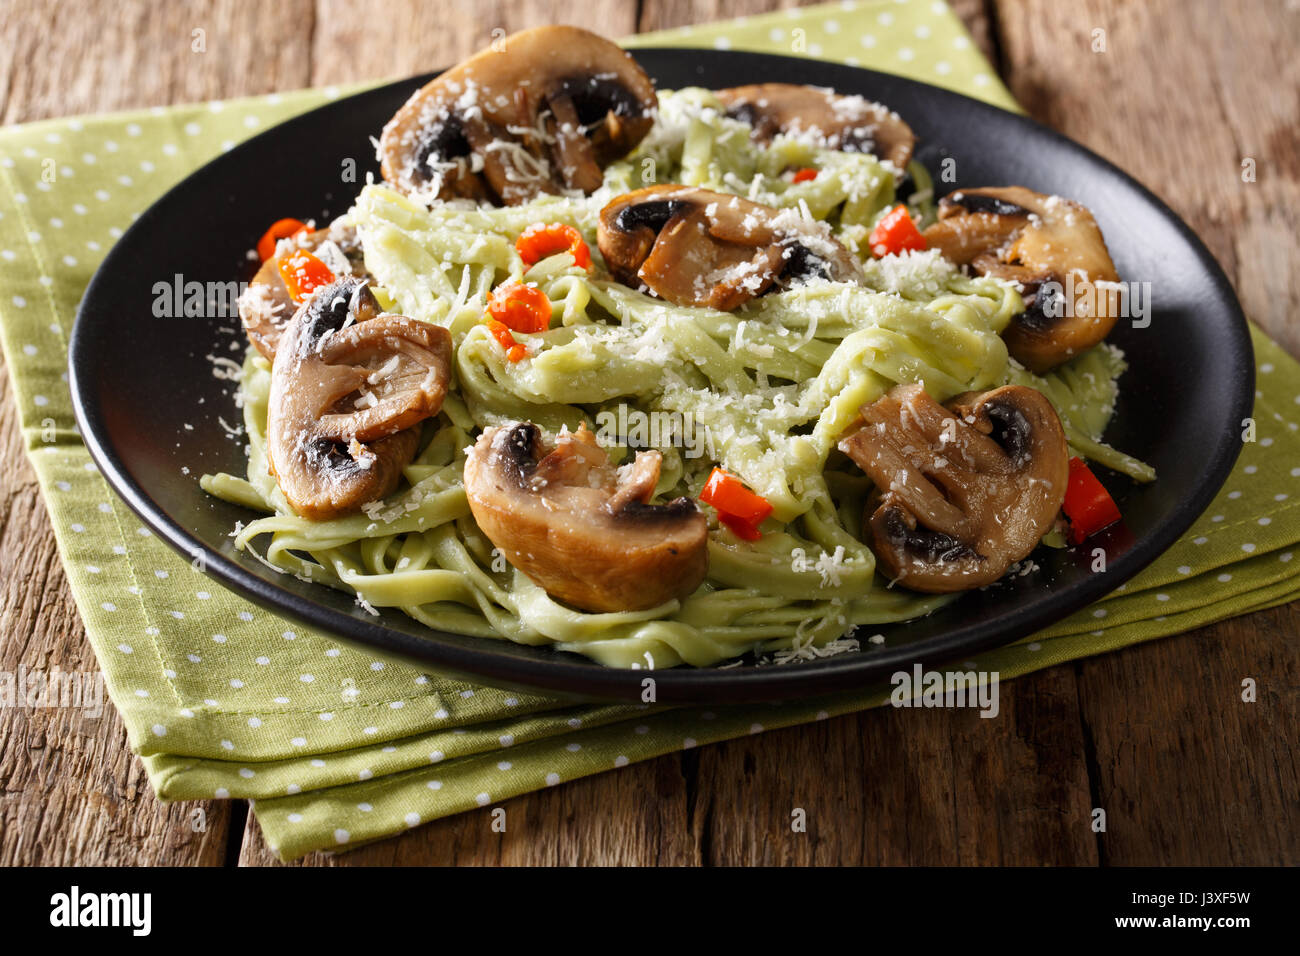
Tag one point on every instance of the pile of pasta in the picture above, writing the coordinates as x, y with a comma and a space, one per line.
767, 389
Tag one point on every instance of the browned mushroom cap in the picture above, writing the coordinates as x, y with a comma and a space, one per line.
581, 528
963, 493
849, 123
696, 247
265, 307
543, 109
347, 387
1016, 233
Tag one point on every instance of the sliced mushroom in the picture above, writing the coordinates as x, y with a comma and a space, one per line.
578, 526
541, 110
697, 247
348, 388
265, 307
964, 491
1053, 247
850, 123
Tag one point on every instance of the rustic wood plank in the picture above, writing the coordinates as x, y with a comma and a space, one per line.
67, 58
1188, 772
908, 787
70, 790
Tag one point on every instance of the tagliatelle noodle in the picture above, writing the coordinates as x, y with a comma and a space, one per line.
765, 392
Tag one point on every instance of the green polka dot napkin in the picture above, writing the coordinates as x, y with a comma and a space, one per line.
222, 699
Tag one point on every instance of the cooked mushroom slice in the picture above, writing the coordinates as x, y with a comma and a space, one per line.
850, 123
578, 526
697, 247
348, 387
543, 109
964, 493
1016, 233
265, 307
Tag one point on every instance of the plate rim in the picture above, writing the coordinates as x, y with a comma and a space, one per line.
682, 684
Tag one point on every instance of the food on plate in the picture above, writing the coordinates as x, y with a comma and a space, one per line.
582, 528
964, 491
266, 306
348, 387
544, 110
667, 377
1049, 245
850, 123
698, 247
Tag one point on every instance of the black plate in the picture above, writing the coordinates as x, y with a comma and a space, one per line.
138, 380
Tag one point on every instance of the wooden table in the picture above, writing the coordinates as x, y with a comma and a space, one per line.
1157, 734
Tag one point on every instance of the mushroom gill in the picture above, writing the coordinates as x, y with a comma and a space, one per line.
349, 387
581, 528
542, 110
837, 121
1053, 248
964, 491
693, 246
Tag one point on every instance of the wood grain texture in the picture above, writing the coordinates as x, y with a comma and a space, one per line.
1179, 97
1188, 773
70, 790
893, 787
81, 57
1156, 735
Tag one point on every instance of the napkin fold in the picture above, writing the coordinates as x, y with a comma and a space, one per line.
338, 748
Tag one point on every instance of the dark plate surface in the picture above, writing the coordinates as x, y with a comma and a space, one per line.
139, 380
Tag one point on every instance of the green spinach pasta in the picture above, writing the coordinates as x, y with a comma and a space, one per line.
763, 392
